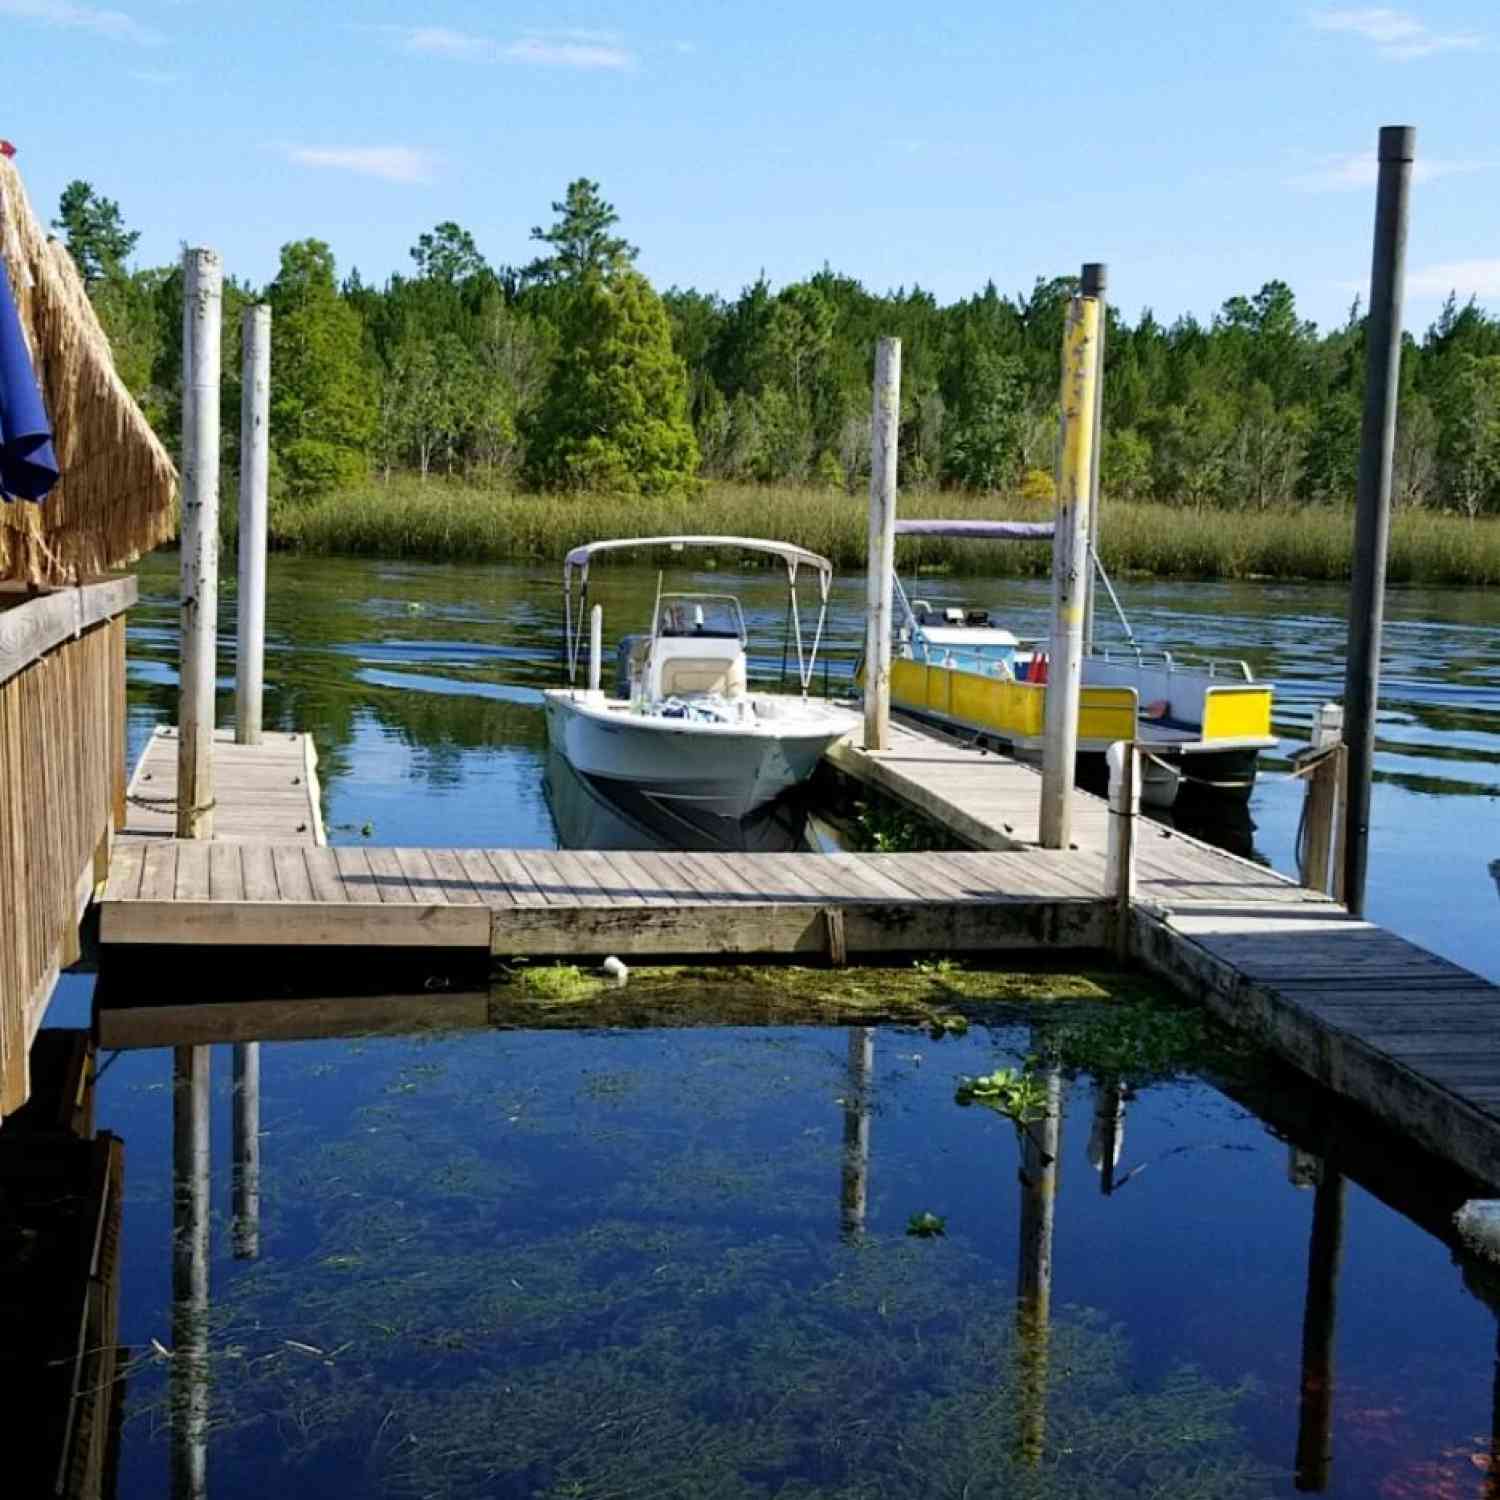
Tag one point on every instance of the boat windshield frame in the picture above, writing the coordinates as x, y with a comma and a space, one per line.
793, 558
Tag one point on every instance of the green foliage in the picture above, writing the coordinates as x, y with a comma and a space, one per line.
574, 374
1016, 1093
927, 1226
94, 231
582, 245
323, 411
614, 415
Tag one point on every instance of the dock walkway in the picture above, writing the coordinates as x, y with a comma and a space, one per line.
1400, 1031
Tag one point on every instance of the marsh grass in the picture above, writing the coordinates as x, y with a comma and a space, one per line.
449, 521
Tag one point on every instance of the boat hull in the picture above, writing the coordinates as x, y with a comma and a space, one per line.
698, 770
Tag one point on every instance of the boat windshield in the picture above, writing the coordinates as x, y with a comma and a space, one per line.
711, 616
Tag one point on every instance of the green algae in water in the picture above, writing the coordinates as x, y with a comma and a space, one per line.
610, 1266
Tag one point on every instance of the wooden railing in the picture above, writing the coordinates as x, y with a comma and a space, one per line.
62, 790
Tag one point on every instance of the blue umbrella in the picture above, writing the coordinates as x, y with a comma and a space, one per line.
28, 466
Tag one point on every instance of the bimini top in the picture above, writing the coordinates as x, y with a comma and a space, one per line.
982, 531
792, 556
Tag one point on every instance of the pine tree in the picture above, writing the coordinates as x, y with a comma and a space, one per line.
94, 231
323, 401
614, 416
581, 242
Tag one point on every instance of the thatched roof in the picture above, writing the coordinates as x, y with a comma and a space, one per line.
116, 497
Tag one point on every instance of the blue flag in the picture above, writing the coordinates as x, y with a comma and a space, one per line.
28, 466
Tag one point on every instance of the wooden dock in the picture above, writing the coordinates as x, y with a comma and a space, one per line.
264, 792
1405, 1034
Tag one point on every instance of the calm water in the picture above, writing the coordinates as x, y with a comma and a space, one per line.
611, 1263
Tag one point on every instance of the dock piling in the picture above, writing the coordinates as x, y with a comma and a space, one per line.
255, 410
884, 433
1123, 759
1372, 519
1070, 566
1094, 282
1325, 783
202, 309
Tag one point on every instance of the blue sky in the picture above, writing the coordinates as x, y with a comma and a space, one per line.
1200, 149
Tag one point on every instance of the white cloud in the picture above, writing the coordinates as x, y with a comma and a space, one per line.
1393, 33
390, 163
1469, 278
440, 41
155, 75
113, 24
557, 49
1342, 171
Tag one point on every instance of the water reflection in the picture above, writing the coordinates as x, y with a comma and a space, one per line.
217, 1396
62, 1371
591, 813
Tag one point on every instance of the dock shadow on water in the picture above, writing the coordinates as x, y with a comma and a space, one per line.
957, 1247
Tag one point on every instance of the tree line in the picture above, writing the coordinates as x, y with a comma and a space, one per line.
572, 373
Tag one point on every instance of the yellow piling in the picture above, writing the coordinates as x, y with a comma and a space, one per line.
1070, 565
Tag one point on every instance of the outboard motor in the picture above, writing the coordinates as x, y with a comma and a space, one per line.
630, 664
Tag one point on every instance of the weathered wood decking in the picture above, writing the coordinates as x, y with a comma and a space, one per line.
1404, 1033
262, 792
533, 901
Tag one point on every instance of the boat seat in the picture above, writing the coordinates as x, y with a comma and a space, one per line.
683, 675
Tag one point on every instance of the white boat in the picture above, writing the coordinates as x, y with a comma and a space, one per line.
1203, 725
683, 732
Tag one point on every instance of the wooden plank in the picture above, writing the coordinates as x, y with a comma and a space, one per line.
292, 879
421, 876
515, 878
360, 887
583, 877
613, 886
323, 875
126, 861
365, 923
554, 881
389, 879
159, 877
650, 888
456, 885
226, 873
192, 872
259, 872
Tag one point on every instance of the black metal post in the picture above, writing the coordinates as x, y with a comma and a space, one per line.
1372, 522
1095, 283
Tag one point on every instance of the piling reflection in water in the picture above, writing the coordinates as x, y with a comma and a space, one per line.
855, 1197
246, 1184
1319, 1327
190, 1223
1041, 1141
1107, 1135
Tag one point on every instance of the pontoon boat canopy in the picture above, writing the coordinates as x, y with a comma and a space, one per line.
792, 556
983, 531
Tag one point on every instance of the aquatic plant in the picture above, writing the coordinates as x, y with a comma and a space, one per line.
1143, 1040
558, 982
1016, 1093
927, 1226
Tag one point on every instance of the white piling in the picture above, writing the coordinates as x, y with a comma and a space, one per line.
255, 458
202, 309
1070, 564
1123, 760
884, 433
596, 650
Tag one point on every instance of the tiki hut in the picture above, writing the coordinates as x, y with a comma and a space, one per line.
116, 495
62, 625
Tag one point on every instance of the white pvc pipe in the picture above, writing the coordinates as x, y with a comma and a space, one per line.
596, 647
884, 435
255, 457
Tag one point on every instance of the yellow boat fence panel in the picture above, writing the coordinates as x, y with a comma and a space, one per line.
1235, 712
